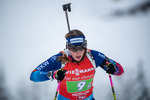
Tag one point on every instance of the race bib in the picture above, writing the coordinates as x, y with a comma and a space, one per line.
79, 86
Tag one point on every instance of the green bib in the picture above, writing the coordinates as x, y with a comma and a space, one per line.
79, 86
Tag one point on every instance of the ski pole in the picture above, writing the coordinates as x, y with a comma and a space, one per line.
57, 90
112, 87
67, 7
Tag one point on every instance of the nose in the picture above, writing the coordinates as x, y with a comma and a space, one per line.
78, 52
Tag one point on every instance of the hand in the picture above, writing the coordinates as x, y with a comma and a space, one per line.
110, 68
59, 74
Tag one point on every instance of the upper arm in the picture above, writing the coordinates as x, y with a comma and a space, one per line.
39, 74
98, 57
50, 64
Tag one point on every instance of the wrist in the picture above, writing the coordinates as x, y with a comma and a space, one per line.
49, 75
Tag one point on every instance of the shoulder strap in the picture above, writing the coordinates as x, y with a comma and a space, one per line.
91, 58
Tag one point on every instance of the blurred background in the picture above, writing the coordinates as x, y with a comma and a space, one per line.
31, 31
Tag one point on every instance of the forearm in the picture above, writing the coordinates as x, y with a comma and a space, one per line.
39, 76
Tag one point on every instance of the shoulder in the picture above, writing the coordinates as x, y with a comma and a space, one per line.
54, 57
98, 57
96, 53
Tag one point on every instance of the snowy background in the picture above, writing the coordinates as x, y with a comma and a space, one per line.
31, 31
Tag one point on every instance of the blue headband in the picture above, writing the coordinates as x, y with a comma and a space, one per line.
76, 40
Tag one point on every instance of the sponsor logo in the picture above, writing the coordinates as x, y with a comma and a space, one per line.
77, 72
81, 93
81, 97
101, 55
76, 40
53, 58
44, 64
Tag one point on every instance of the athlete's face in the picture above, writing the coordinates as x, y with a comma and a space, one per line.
77, 55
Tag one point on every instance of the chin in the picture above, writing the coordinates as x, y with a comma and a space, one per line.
77, 59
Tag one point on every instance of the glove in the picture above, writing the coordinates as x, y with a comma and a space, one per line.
110, 68
59, 74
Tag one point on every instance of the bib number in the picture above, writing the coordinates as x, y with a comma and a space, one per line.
79, 86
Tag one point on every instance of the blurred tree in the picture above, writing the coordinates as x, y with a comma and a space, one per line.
133, 86
143, 7
3, 94
143, 89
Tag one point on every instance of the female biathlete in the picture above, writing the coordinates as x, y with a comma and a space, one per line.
75, 68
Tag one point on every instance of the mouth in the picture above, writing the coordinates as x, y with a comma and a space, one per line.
78, 57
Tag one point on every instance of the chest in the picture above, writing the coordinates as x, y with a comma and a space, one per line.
81, 71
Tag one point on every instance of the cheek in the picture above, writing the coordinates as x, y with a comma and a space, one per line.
72, 53
83, 52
